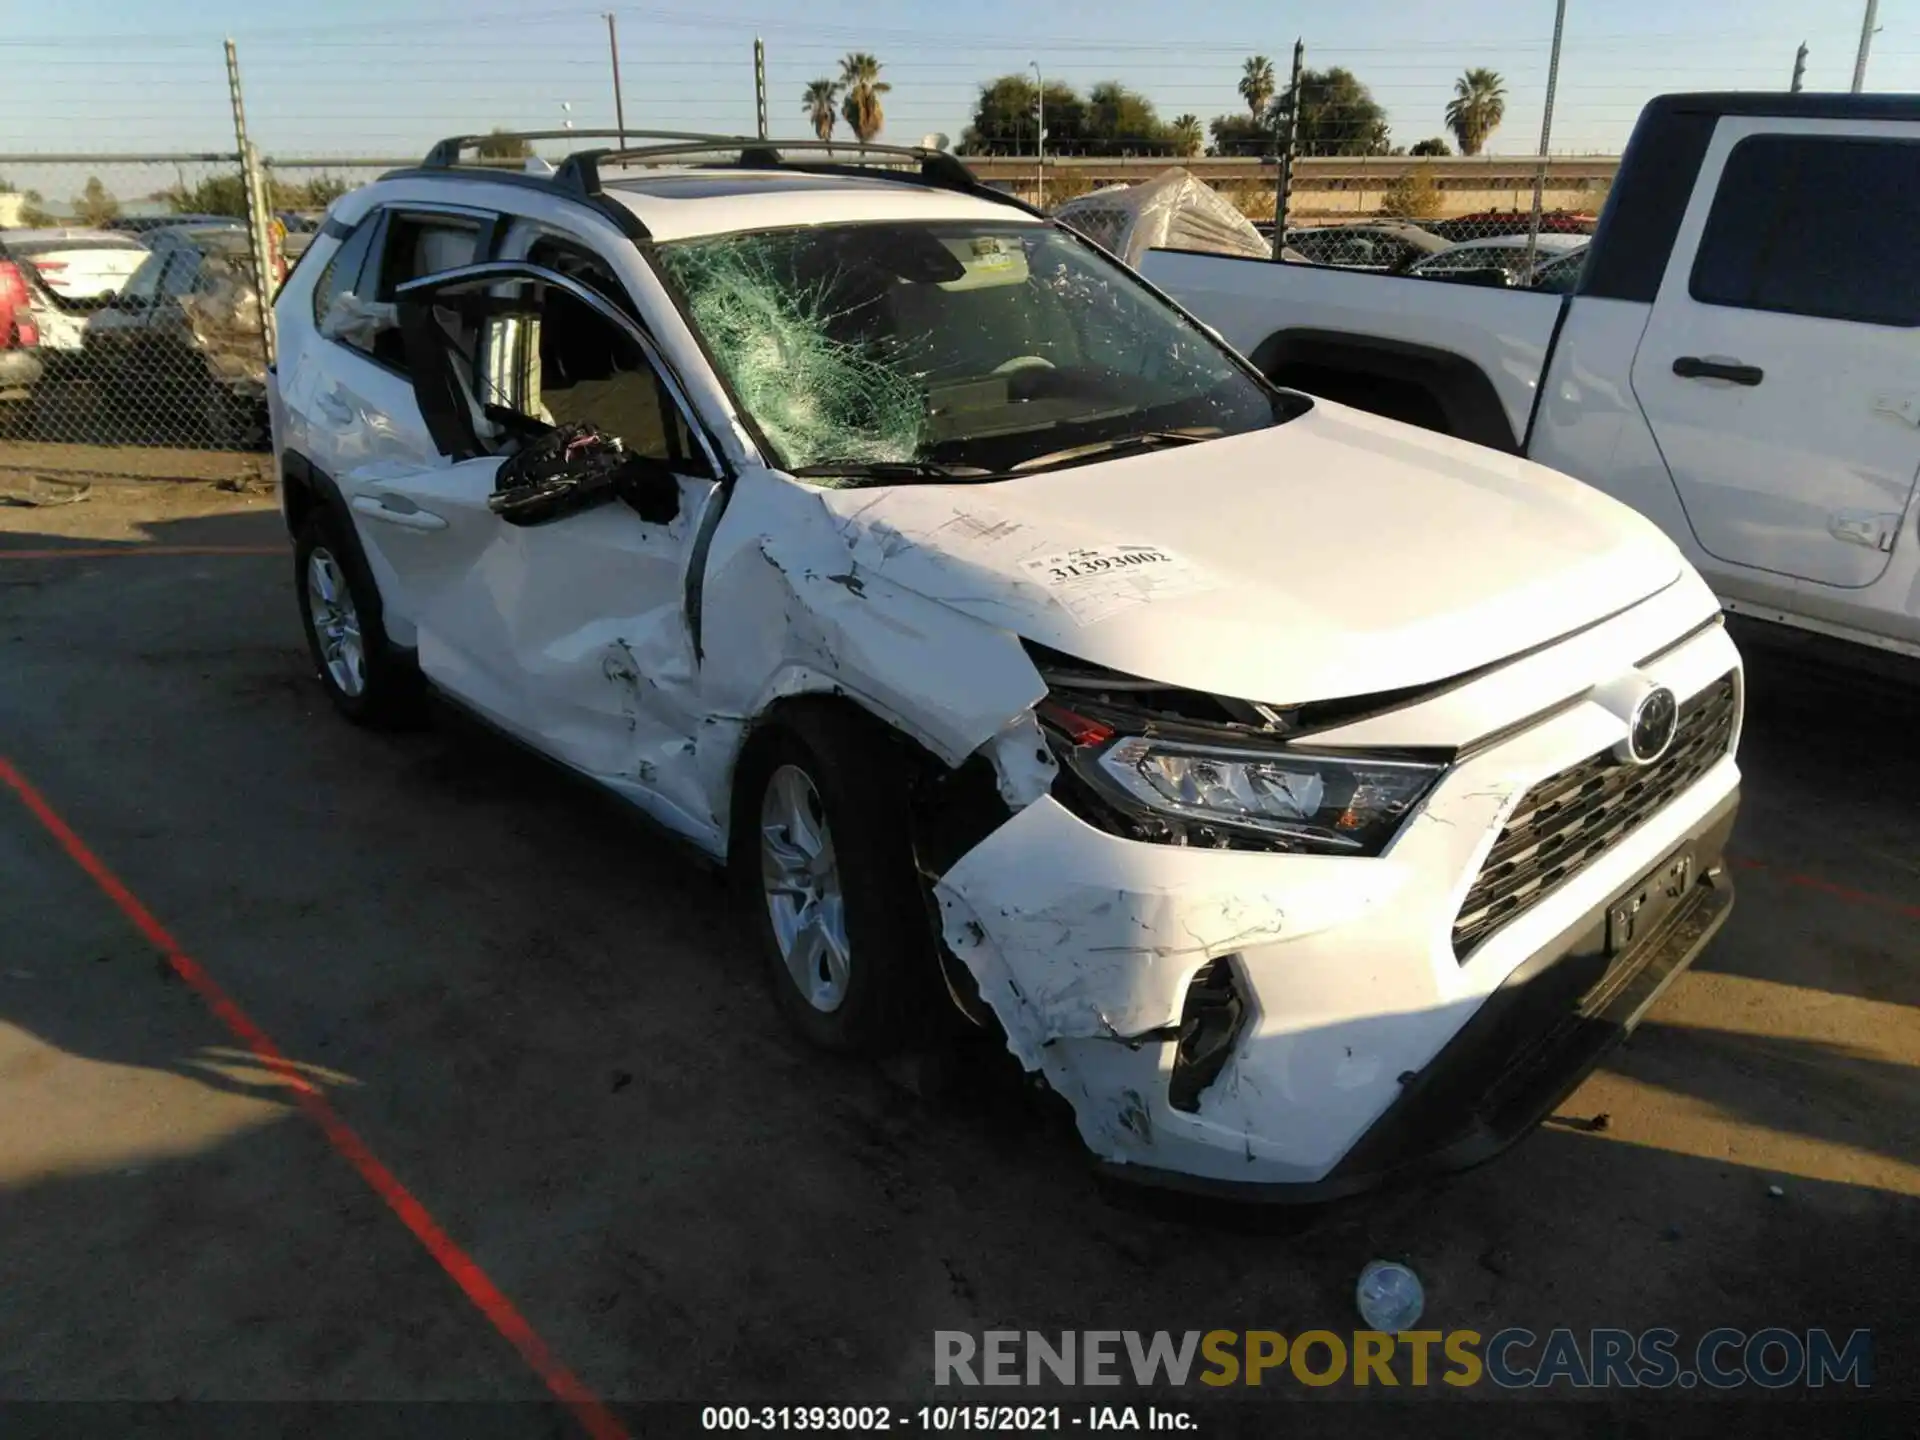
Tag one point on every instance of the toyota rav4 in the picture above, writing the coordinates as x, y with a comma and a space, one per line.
1308, 797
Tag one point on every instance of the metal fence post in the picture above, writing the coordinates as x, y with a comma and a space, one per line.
760, 84
259, 208
1283, 171
1546, 135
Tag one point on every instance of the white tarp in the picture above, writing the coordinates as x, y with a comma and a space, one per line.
1172, 211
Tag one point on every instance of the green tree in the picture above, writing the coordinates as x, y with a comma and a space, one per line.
1257, 85
33, 211
819, 102
860, 74
497, 144
1337, 115
1413, 196
1240, 135
1121, 121
95, 204
1187, 136
215, 195
1434, 146
1478, 106
1005, 118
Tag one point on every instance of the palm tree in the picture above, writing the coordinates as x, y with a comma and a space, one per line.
1187, 136
1256, 84
819, 102
860, 74
1479, 104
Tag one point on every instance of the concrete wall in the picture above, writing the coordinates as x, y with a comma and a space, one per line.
1333, 189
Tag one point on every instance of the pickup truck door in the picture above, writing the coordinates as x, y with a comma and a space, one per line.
1780, 368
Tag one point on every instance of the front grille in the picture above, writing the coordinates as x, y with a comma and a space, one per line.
1566, 823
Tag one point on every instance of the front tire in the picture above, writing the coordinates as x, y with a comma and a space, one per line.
822, 860
365, 678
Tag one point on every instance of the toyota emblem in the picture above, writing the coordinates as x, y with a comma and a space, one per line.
1650, 728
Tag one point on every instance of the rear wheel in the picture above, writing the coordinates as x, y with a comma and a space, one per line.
822, 860
365, 678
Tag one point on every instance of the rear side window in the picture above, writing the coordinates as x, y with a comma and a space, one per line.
1806, 225
416, 246
344, 271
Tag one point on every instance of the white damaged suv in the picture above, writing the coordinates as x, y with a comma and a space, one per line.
1310, 798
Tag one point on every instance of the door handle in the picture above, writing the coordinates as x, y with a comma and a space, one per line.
383, 508
1693, 367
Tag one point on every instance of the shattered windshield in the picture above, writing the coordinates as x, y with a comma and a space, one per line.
877, 353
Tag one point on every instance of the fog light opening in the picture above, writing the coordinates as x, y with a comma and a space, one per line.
1210, 1024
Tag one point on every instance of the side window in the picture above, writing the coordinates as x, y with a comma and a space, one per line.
576, 262
144, 284
584, 369
417, 246
183, 268
1805, 225
343, 271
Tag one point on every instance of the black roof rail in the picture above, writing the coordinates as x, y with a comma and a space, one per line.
581, 171
446, 153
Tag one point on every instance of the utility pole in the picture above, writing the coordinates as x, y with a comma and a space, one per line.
1799, 68
1546, 133
619, 109
1867, 28
1283, 168
1039, 136
760, 84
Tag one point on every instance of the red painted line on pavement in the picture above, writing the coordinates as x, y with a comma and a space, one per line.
105, 553
592, 1413
1828, 887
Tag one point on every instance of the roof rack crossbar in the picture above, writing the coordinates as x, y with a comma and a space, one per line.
446, 153
581, 171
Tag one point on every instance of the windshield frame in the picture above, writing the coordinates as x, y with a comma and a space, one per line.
769, 454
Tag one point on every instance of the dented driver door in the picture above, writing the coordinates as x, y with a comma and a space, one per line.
581, 613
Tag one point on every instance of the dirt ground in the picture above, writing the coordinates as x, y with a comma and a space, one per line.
541, 1020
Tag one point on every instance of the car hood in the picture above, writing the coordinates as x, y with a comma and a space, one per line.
1336, 555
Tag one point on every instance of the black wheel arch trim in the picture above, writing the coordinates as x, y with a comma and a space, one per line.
324, 493
1462, 390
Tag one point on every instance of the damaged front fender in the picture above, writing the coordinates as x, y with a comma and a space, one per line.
789, 611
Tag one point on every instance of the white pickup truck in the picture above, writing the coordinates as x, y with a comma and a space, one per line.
1739, 360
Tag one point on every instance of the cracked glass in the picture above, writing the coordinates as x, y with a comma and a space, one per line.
876, 353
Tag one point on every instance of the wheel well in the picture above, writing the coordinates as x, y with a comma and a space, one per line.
1434, 389
297, 492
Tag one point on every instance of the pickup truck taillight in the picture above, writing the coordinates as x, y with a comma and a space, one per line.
17, 330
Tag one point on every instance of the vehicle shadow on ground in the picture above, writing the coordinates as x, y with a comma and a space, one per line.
566, 1052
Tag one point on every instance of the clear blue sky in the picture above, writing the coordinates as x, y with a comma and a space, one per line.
376, 77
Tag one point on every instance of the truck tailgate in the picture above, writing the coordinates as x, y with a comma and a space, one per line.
1507, 333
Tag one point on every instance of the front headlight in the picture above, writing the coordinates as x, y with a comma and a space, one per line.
1344, 806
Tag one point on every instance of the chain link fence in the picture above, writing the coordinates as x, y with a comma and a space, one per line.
131, 312
146, 339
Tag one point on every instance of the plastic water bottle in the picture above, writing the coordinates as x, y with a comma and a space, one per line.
1389, 1296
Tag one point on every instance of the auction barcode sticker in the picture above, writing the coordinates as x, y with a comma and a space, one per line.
1094, 582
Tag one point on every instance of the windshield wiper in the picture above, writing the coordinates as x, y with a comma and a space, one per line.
888, 470
1140, 440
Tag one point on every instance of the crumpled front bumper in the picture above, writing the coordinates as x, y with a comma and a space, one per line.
1367, 1048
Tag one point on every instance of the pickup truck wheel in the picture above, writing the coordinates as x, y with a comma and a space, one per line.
366, 679
821, 859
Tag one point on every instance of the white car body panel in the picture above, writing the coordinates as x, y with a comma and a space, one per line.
1808, 474
1261, 531
1248, 301
1331, 556
1798, 499
90, 264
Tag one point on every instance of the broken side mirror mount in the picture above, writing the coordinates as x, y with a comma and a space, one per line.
649, 488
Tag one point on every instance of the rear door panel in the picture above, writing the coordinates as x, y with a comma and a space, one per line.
1804, 463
